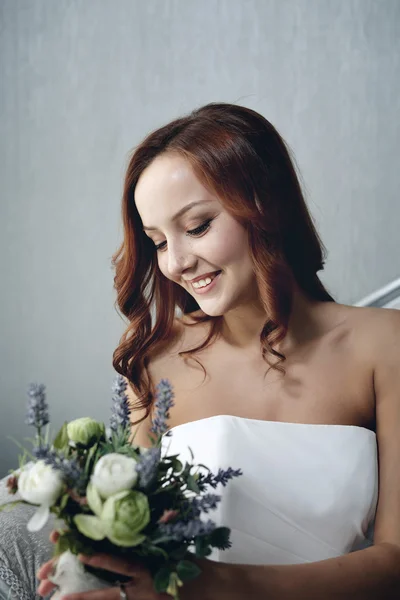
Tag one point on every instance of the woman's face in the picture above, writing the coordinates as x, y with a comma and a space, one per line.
203, 239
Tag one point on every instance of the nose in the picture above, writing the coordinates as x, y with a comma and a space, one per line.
180, 259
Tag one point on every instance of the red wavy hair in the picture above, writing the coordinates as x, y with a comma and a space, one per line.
240, 157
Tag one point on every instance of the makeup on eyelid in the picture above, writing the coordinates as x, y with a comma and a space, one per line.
197, 231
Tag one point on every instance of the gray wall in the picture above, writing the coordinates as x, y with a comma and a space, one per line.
83, 80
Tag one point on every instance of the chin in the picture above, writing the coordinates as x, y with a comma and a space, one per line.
212, 308
211, 312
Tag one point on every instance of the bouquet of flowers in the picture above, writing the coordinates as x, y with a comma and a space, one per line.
118, 498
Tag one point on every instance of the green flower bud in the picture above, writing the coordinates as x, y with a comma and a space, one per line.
174, 584
85, 431
124, 516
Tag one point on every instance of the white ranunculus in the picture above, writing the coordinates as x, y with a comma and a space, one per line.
42, 485
114, 473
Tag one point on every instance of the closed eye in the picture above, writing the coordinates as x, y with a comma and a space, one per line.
198, 231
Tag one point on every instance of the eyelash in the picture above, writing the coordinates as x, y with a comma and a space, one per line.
199, 230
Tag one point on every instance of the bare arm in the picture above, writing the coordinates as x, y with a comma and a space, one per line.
370, 574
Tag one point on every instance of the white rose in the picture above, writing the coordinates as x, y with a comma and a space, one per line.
40, 484
114, 473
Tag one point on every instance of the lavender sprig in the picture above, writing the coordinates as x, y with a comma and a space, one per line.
185, 531
120, 417
203, 504
222, 477
38, 410
69, 468
163, 403
147, 466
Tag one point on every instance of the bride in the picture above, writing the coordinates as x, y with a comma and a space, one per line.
270, 374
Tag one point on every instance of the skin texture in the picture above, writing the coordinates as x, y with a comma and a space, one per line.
167, 186
342, 366
141, 582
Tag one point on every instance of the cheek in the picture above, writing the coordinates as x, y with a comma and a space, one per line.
221, 246
228, 246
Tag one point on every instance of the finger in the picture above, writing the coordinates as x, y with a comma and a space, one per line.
114, 564
45, 588
111, 593
45, 569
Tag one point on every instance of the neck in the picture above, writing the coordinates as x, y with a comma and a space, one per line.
243, 325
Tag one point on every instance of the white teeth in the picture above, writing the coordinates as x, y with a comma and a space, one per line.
205, 281
202, 282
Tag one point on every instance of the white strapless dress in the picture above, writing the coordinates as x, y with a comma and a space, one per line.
307, 493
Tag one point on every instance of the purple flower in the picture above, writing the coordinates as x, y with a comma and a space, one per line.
68, 467
120, 409
148, 465
221, 477
186, 531
38, 410
162, 405
203, 504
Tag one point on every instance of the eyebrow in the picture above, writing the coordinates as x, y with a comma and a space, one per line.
181, 212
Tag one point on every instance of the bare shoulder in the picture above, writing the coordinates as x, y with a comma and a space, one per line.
373, 314
370, 335
382, 337
377, 329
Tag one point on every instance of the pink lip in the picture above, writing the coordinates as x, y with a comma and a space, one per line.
208, 288
202, 276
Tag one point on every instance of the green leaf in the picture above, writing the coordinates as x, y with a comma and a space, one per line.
192, 485
94, 501
174, 584
153, 439
156, 551
187, 570
61, 440
62, 545
186, 471
90, 526
25, 451
161, 579
179, 553
10, 505
219, 538
162, 539
177, 465
204, 467
202, 546
71, 540
64, 501
90, 458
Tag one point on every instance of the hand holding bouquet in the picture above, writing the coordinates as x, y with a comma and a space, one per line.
116, 498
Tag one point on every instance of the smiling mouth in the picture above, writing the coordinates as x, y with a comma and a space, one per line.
214, 274
207, 278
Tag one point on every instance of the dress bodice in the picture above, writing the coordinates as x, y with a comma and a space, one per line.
307, 493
